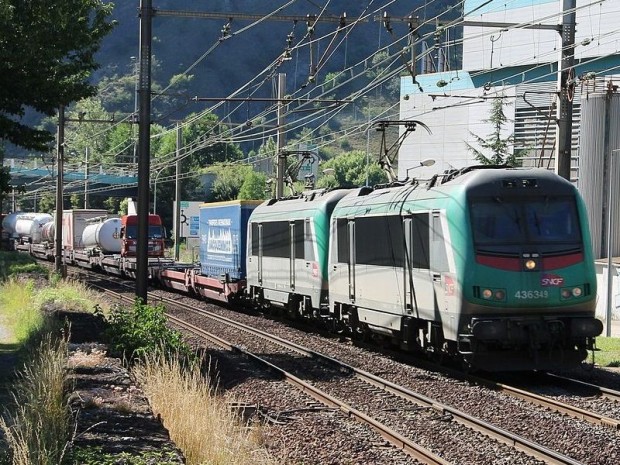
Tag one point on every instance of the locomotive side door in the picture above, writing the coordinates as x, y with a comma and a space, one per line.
291, 254
255, 254
351, 261
419, 288
259, 241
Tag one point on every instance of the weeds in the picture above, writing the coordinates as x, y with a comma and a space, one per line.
18, 313
67, 295
12, 263
95, 456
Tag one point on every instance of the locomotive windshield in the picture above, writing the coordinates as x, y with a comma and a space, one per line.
539, 219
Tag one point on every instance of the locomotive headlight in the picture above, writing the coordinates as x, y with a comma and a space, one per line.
570, 292
530, 264
500, 294
487, 293
566, 293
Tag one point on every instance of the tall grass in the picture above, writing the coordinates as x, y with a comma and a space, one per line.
68, 295
21, 304
200, 423
18, 314
38, 427
12, 263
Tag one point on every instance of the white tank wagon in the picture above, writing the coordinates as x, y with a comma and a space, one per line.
26, 225
105, 235
48, 232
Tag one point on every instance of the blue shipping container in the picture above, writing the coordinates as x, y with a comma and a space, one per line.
223, 234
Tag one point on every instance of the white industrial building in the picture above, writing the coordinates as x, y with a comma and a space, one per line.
520, 65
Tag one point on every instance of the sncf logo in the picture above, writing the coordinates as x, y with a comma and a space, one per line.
315, 270
449, 286
551, 280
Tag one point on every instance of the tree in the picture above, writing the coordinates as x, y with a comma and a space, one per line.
5, 178
229, 180
199, 152
112, 204
47, 204
350, 170
380, 67
77, 201
253, 187
498, 147
46, 57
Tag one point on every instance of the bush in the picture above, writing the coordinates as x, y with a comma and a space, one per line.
141, 330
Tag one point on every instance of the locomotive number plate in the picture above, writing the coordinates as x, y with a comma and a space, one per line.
531, 294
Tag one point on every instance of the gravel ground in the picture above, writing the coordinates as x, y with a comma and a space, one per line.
296, 429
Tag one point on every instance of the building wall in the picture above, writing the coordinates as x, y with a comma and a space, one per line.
453, 113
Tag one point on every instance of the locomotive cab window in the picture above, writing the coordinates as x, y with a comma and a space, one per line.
540, 219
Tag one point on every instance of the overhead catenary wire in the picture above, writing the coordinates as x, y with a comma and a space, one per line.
357, 94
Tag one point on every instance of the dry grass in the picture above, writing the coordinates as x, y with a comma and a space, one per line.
38, 427
200, 423
90, 358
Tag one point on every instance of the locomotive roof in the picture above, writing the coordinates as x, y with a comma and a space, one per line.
310, 202
491, 177
451, 188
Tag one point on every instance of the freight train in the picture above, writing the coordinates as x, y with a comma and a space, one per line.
491, 266
91, 238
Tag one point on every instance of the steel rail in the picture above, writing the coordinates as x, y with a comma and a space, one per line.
553, 404
610, 394
393, 437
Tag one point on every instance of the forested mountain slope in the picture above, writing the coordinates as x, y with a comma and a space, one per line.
219, 67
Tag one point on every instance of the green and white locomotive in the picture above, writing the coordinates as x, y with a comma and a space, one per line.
489, 265
288, 241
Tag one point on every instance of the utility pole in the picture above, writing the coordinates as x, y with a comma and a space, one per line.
60, 149
86, 181
177, 194
281, 137
564, 110
144, 149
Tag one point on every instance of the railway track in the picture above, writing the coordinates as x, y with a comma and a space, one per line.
557, 405
393, 437
379, 385
383, 388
